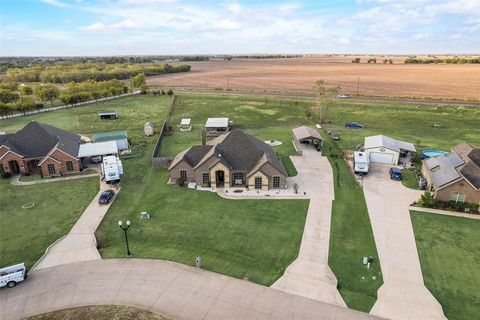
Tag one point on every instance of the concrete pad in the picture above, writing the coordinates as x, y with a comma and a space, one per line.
178, 291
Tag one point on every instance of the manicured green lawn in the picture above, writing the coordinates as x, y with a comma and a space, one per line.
428, 127
351, 238
133, 112
449, 250
254, 239
26, 233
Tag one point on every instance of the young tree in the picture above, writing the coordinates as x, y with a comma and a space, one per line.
26, 90
8, 96
325, 99
48, 92
139, 80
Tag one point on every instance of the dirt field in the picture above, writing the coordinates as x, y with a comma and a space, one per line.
405, 80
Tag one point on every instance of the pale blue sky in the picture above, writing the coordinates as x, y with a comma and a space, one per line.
124, 27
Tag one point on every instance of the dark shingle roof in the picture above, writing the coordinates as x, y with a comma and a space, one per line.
474, 155
36, 140
471, 172
195, 154
243, 151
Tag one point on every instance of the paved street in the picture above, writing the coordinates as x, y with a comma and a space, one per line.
309, 275
403, 294
171, 289
80, 243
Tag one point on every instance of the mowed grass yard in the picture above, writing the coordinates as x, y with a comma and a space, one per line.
351, 237
428, 127
26, 233
449, 250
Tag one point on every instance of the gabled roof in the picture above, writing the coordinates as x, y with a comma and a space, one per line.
388, 143
305, 132
37, 139
236, 149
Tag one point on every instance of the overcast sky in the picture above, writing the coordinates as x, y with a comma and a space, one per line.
125, 27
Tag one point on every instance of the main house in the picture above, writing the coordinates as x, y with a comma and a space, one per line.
234, 159
39, 147
456, 176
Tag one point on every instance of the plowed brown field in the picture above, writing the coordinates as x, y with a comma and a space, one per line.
451, 81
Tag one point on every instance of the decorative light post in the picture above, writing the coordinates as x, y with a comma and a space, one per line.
125, 228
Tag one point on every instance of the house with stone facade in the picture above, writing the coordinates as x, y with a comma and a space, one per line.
455, 176
232, 160
40, 148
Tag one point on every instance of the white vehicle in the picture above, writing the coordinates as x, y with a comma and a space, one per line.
112, 168
361, 162
10, 276
342, 96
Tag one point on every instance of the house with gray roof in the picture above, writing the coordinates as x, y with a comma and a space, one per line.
39, 147
234, 159
456, 176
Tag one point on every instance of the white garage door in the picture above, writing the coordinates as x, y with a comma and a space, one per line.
377, 157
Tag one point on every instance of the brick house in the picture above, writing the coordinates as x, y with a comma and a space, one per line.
234, 159
40, 148
456, 176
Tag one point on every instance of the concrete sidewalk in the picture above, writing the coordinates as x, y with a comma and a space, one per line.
80, 243
403, 294
174, 290
309, 275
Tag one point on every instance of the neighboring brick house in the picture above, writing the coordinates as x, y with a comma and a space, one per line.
456, 176
234, 159
39, 148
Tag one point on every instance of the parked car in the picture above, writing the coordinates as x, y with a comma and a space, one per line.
106, 197
96, 159
422, 183
10, 276
342, 96
395, 174
353, 125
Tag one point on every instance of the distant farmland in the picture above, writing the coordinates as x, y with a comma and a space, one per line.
449, 81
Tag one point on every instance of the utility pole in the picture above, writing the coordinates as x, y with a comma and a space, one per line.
228, 83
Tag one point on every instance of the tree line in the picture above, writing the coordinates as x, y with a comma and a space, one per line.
21, 98
65, 72
455, 60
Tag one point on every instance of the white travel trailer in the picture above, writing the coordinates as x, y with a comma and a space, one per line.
361, 162
10, 276
112, 168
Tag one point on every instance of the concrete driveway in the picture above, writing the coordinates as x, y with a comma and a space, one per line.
171, 289
403, 294
309, 275
80, 243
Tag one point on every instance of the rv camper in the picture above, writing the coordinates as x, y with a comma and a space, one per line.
361, 162
112, 168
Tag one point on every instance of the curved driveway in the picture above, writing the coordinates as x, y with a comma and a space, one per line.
171, 289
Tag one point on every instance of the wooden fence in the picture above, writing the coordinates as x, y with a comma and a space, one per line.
157, 161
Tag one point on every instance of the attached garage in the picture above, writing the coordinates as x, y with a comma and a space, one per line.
378, 157
383, 149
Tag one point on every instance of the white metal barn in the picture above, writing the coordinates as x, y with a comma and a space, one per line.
383, 149
216, 126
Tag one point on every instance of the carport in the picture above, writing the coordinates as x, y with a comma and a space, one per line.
306, 135
97, 149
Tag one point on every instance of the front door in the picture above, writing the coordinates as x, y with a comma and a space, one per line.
14, 167
220, 178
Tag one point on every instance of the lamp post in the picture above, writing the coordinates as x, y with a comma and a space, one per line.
125, 228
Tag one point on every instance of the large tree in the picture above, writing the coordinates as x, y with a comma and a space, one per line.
47, 93
325, 99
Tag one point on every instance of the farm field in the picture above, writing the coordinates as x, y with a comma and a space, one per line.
440, 81
26, 233
448, 248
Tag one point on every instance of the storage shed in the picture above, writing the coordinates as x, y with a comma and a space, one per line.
186, 124
383, 149
216, 126
120, 137
148, 129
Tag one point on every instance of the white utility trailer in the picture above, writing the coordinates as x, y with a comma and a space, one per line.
10, 276
361, 162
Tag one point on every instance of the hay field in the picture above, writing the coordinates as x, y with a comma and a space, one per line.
444, 81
